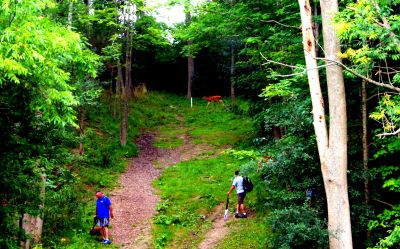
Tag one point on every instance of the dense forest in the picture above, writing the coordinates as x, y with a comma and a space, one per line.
310, 92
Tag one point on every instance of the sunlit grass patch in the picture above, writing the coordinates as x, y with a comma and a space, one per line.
250, 232
171, 136
190, 191
219, 127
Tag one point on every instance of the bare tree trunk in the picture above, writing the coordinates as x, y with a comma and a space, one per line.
365, 140
190, 73
90, 7
233, 96
124, 123
188, 19
120, 90
70, 10
332, 149
335, 178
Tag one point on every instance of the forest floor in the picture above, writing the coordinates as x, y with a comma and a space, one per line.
135, 201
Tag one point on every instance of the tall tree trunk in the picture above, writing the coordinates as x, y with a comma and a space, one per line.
90, 7
233, 96
365, 140
70, 11
335, 175
120, 90
127, 91
90, 12
190, 73
188, 19
332, 147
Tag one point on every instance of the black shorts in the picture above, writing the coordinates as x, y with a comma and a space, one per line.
103, 222
241, 197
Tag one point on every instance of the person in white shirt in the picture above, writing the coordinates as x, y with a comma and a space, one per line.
241, 194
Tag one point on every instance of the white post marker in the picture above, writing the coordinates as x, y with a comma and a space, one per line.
191, 102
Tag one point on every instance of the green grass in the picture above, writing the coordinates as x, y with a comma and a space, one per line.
190, 191
250, 233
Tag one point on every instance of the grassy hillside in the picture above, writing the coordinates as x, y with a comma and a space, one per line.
189, 190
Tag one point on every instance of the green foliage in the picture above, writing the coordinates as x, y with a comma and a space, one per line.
389, 220
388, 113
360, 25
386, 224
243, 154
299, 227
37, 54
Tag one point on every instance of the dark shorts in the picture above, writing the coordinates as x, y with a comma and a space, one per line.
103, 222
241, 197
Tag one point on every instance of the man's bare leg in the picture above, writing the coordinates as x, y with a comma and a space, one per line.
106, 233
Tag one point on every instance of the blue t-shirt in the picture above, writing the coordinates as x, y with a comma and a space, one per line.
103, 207
238, 183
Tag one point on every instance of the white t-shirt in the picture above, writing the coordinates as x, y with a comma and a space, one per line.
238, 183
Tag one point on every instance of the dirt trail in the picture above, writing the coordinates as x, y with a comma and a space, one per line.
135, 201
218, 231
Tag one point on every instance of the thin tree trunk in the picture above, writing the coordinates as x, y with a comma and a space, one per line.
120, 90
332, 149
365, 140
90, 7
233, 96
190, 60
190, 73
70, 10
124, 123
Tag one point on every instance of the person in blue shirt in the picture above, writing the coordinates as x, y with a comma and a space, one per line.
104, 211
241, 194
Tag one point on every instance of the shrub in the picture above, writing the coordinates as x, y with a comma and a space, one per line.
298, 227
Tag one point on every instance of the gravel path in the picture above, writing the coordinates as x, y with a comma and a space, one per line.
135, 201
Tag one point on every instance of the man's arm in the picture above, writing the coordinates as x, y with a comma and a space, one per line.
231, 189
111, 212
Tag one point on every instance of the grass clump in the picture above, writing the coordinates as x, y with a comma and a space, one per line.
250, 232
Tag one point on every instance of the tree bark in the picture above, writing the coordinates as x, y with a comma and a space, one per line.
332, 147
120, 87
127, 87
70, 10
188, 19
316, 26
190, 73
233, 95
365, 140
